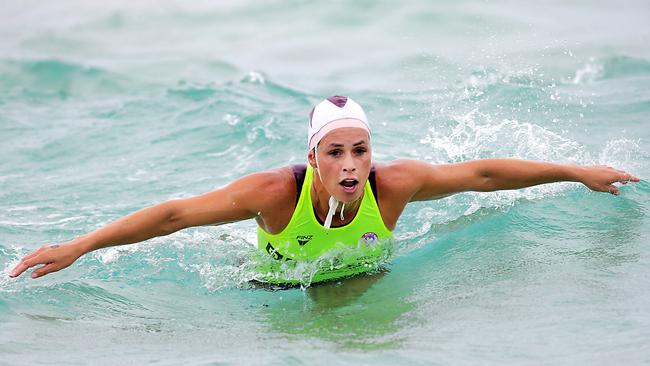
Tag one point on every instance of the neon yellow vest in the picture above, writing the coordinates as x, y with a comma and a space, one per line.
306, 248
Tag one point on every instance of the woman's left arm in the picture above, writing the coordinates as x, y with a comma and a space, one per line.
487, 175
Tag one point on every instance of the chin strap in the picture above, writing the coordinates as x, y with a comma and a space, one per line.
333, 202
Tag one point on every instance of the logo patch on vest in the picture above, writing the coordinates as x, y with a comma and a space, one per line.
303, 239
369, 239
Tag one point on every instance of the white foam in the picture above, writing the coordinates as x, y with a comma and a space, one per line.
254, 77
468, 139
588, 73
623, 154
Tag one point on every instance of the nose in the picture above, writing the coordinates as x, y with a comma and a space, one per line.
348, 164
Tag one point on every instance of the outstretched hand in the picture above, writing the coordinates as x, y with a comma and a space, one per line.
53, 257
601, 178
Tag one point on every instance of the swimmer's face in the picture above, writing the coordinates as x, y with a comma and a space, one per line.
344, 160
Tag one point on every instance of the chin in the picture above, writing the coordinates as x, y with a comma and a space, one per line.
349, 197
347, 200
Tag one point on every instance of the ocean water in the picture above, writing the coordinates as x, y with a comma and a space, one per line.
106, 108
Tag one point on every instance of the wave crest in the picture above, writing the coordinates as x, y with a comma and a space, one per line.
613, 67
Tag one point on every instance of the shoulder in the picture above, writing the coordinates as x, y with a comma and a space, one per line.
245, 198
271, 196
267, 188
415, 180
425, 181
404, 175
402, 167
274, 177
396, 183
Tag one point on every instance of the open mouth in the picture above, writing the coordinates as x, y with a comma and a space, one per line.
349, 185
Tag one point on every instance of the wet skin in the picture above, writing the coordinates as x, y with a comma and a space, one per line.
344, 159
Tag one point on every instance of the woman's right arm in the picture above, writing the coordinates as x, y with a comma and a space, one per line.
242, 199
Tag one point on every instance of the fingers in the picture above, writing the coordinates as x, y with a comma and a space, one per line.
34, 253
52, 257
18, 270
26, 264
613, 190
620, 176
625, 178
48, 268
31, 260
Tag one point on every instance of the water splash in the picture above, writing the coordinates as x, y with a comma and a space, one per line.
612, 67
476, 135
588, 73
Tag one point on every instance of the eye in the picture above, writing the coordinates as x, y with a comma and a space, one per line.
335, 152
360, 150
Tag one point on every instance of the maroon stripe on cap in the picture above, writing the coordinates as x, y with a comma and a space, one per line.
338, 100
311, 115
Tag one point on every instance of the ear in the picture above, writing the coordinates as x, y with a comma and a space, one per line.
311, 157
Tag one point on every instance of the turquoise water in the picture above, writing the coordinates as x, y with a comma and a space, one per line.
108, 108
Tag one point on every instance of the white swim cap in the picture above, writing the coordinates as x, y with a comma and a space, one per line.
332, 113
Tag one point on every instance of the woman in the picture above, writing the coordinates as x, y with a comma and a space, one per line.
339, 200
